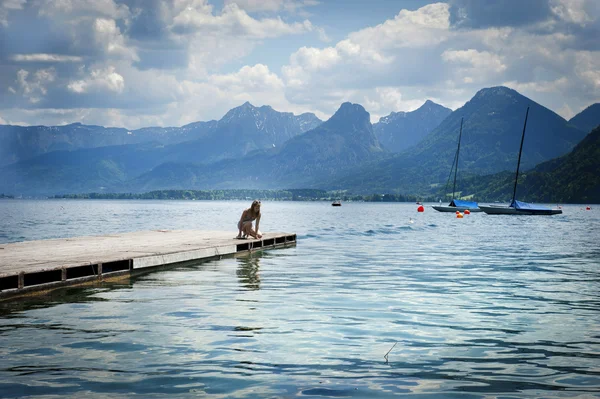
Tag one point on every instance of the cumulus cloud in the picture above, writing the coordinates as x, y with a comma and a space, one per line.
191, 33
424, 27
155, 62
380, 56
579, 12
33, 86
235, 21
250, 79
141, 53
587, 69
108, 37
474, 66
99, 80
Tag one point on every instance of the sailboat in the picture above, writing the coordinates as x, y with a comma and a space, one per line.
456, 204
518, 207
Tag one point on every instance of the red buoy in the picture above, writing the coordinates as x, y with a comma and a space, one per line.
467, 212
421, 208
588, 208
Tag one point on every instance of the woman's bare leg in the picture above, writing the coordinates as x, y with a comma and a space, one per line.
250, 231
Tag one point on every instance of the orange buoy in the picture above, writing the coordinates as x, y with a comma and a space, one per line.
421, 208
467, 212
459, 215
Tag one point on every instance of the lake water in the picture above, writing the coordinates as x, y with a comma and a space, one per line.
480, 307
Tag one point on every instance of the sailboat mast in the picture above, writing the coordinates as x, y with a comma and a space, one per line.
457, 152
519, 161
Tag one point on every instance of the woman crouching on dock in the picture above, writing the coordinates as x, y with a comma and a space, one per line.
245, 223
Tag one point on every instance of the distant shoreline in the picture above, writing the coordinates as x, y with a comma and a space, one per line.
243, 195
307, 195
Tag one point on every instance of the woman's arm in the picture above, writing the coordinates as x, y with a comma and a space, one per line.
257, 222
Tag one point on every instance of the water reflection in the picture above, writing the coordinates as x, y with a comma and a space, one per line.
248, 271
86, 293
509, 310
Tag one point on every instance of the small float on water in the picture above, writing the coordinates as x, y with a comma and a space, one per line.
336, 203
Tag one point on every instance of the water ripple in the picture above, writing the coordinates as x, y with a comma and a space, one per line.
479, 307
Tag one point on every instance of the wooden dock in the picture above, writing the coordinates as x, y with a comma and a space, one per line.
31, 266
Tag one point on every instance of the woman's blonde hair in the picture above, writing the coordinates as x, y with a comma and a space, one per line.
252, 210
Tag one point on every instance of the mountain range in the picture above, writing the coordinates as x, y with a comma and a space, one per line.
258, 147
492, 126
401, 130
346, 139
241, 130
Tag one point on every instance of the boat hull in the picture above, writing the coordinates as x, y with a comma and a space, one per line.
508, 210
453, 209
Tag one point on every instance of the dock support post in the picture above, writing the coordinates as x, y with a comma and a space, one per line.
63, 274
21, 282
99, 269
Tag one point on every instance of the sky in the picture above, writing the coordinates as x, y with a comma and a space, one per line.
139, 63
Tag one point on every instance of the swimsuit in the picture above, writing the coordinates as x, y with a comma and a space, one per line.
247, 219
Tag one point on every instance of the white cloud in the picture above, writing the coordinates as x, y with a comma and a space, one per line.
105, 8
101, 80
417, 56
6, 6
575, 11
474, 66
323, 35
234, 21
426, 26
392, 66
381, 99
250, 79
538, 87
368, 60
587, 67
33, 86
42, 57
108, 36
314, 59
272, 5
